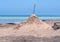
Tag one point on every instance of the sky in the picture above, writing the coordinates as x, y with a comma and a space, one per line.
25, 7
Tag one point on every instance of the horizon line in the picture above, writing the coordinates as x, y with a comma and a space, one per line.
29, 15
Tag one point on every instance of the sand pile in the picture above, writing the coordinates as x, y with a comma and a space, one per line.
34, 26
34, 22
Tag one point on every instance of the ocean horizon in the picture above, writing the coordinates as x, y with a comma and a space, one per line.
15, 19
29, 15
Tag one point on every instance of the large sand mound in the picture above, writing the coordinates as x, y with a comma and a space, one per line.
34, 22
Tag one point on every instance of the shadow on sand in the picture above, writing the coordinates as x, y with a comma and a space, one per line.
29, 39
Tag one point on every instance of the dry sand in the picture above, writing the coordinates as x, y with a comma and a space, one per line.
32, 26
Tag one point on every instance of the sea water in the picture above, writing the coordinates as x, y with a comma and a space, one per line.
15, 19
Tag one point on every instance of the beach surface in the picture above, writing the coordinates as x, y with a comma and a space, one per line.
31, 30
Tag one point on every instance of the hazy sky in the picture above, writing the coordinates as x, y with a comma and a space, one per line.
25, 7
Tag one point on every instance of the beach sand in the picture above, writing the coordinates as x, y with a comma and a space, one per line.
31, 30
